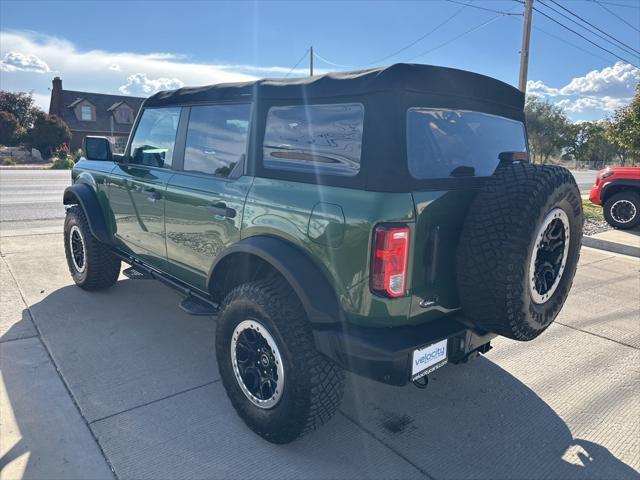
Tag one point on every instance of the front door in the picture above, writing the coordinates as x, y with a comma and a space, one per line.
205, 200
138, 186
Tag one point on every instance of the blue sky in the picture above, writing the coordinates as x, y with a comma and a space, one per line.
139, 47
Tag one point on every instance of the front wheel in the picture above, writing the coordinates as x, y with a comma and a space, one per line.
279, 384
92, 264
622, 210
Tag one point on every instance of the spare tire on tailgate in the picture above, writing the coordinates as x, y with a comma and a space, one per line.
519, 249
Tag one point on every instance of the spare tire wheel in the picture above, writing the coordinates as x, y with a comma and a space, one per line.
519, 249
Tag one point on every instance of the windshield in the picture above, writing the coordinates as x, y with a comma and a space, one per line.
449, 143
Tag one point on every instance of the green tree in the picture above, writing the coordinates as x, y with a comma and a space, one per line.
624, 129
10, 130
21, 105
48, 133
589, 143
548, 128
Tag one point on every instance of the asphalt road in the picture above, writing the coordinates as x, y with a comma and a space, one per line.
37, 194
32, 194
123, 384
584, 179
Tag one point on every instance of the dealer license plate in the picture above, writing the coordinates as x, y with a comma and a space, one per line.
428, 359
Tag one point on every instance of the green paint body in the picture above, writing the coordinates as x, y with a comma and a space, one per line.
332, 225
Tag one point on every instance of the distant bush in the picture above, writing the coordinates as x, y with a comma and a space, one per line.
49, 132
62, 164
8, 161
9, 129
77, 155
21, 105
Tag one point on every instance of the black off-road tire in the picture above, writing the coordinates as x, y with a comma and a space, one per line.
632, 200
313, 385
101, 266
497, 243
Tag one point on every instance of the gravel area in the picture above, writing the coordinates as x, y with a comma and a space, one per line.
591, 227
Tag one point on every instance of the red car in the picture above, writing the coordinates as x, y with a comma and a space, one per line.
617, 189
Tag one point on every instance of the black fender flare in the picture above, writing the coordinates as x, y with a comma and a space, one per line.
85, 196
614, 184
310, 284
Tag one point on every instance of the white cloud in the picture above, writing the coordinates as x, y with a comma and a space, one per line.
140, 84
583, 104
616, 81
599, 92
16, 61
107, 71
538, 88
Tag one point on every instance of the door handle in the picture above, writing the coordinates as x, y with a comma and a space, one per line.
222, 210
154, 195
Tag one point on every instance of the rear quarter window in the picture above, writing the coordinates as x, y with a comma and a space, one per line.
325, 139
449, 143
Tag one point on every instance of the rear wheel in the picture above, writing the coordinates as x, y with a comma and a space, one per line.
91, 263
276, 380
519, 249
622, 210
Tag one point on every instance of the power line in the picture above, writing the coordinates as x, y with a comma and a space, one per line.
484, 8
590, 24
621, 5
409, 45
569, 43
616, 15
433, 30
328, 62
466, 32
297, 63
583, 37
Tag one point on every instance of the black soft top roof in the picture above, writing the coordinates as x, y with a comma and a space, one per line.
416, 78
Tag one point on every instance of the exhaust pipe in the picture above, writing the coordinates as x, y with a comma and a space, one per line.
421, 382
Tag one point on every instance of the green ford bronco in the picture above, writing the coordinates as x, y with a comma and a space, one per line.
384, 221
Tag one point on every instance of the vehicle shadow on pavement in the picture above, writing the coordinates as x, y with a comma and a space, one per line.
478, 421
122, 362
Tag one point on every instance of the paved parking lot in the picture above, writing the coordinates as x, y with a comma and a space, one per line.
123, 384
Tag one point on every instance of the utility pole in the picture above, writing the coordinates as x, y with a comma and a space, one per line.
524, 52
311, 61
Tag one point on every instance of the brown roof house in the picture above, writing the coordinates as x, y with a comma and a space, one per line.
94, 114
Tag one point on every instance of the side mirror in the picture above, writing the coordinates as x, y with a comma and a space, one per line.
98, 148
513, 157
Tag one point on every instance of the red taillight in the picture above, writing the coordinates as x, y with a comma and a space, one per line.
389, 263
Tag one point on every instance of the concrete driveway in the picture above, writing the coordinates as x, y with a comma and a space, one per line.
123, 384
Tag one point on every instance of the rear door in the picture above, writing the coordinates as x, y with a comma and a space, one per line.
205, 198
455, 150
137, 189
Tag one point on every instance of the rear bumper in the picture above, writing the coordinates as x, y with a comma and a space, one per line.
384, 354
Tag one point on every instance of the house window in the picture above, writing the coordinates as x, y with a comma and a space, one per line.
85, 113
124, 115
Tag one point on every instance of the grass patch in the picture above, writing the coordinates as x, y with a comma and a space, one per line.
592, 211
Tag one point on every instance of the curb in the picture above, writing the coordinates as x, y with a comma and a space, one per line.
26, 167
611, 246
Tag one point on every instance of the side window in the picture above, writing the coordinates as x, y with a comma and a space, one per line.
315, 138
153, 142
217, 138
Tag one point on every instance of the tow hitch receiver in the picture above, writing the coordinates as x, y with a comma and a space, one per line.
461, 349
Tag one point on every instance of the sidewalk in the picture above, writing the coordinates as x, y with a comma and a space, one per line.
625, 242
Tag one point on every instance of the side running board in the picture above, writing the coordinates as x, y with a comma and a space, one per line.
195, 306
135, 274
194, 303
